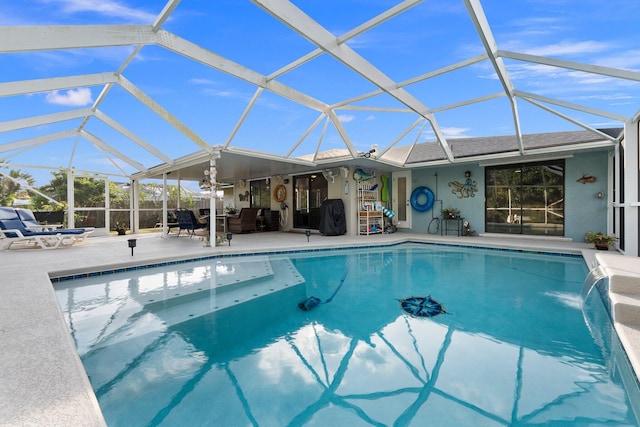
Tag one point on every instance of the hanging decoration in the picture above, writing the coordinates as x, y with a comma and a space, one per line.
586, 178
467, 189
361, 175
209, 182
280, 193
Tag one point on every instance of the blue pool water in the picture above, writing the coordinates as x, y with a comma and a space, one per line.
222, 342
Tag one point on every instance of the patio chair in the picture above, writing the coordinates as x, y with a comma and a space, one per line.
187, 221
245, 222
13, 230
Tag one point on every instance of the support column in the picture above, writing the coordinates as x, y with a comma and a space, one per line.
107, 205
165, 219
134, 199
631, 198
71, 201
212, 202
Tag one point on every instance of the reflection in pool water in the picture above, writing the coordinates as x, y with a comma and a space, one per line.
223, 342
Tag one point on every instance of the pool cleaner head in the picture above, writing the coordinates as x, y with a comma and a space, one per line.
309, 303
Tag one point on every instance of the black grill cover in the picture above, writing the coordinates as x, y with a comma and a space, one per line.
332, 218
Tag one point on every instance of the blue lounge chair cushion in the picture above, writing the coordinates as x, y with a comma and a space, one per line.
10, 220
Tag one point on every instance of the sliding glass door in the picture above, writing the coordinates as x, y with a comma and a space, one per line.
525, 199
309, 193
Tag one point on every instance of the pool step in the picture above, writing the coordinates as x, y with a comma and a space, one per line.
625, 308
624, 284
624, 296
241, 281
629, 336
221, 296
227, 274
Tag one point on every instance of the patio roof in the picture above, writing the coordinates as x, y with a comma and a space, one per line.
120, 88
234, 164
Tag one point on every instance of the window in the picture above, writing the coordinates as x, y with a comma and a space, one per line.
260, 194
525, 199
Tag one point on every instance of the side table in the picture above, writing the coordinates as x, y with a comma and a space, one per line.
452, 224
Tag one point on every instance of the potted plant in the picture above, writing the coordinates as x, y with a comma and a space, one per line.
121, 228
231, 210
600, 240
450, 213
467, 229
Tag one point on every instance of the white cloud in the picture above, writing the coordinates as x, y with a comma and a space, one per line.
628, 59
201, 81
448, 132
346, 118
370, 117
109, 8
569, 48
72, 97
454, 132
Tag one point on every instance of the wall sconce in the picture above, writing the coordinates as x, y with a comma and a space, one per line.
599, 195
307, 233
467, 174
229, 237
132, 244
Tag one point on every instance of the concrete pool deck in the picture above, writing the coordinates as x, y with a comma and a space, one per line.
42, 378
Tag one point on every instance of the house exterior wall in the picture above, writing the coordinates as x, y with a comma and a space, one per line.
471, 208
583, 210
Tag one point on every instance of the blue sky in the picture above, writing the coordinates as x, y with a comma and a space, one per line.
431, 35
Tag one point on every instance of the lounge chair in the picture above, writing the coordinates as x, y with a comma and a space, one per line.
13, 230
187, 221
29, 220
245, 222
49, 217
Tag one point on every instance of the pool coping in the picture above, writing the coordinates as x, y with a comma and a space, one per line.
62, 276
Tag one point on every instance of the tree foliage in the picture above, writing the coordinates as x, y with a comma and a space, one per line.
12, 187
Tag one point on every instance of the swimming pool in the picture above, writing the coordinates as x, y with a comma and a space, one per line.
223, 342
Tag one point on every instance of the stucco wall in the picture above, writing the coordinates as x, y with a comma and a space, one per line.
471, 208
583, 210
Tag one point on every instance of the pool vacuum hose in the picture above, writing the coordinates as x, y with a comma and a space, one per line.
312, 301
